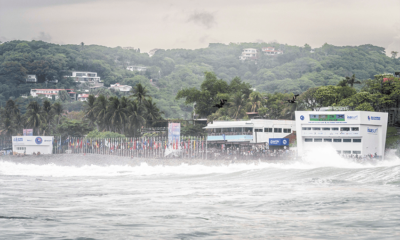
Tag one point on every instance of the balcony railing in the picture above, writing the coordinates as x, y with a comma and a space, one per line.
230, 133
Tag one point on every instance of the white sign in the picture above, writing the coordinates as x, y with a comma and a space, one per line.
372, 131
33, 140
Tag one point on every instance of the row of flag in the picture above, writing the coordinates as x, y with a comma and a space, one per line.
133, 143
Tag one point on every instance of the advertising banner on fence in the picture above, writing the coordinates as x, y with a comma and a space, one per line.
28, 132
174, 132
279, 142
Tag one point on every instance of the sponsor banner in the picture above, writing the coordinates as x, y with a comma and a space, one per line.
372, 131
351, 117
279, 141
327, 117
174, 132
28, 132
373, 118
33, 140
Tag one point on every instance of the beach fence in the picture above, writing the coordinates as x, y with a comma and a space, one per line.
142, 147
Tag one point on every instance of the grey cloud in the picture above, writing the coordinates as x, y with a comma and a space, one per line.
45, 37
4, 39
203, 39
205, 19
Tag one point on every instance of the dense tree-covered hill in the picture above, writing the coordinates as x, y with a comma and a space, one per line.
295, 71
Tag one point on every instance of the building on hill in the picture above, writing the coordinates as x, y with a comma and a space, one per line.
270, 51
85, 77
83, 97
248, 54
49, 93
31, 78
119, 87
137, 68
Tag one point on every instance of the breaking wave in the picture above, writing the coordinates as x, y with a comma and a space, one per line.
314, 168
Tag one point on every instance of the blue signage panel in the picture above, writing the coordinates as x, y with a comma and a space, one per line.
279, 141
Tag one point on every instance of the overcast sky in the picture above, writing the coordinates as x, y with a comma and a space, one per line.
166, 24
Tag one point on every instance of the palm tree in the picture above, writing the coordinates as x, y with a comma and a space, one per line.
116, 115
140, 93
237, 103
152, 111
47, 114
135, 117
8, 127
34, 116
100, 111
63, 96
255, 101
352, 80
57, 110
89, 110
11, 108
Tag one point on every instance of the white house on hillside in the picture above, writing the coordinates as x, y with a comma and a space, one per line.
31, 78
121, 88
49, 93
248, 53
137, 68
271, 51
82, 77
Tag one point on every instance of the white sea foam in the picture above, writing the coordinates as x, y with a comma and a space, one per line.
323, 158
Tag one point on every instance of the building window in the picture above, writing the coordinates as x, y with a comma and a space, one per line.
238, 130
344, 129
317, 139
346, 152
308, 140
356, 129
277, 130
357, 140
335, 129
327, 139
267, 129
356, 152
287, 130
326, 129
346, 140
248, 129
338, 151
258, 130
316, 129
337, 140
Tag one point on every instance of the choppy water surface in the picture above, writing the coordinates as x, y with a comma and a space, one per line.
319, 199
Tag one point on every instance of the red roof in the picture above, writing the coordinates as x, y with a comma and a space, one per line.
83, 95
52, 89
47, 93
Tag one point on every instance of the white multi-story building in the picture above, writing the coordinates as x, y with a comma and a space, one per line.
348, 132
271, 51
31, 78
49, 93
248, 54
82, 77
252, 131
121, 88
137, 68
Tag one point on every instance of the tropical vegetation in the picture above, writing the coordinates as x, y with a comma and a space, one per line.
295, 71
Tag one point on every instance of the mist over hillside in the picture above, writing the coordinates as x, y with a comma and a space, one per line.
168, 71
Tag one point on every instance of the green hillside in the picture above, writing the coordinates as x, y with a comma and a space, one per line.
295, 71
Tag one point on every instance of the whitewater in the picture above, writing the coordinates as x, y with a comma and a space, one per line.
106, 197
